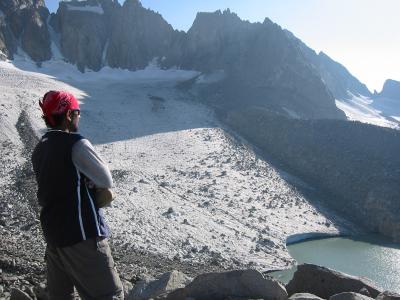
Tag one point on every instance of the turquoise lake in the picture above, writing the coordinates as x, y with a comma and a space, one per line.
369, 256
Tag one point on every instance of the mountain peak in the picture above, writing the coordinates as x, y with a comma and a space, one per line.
391, 89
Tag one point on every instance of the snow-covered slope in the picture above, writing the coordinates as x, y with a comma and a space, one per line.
381, 112
186, 188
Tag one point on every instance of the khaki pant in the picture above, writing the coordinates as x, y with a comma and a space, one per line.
88, 266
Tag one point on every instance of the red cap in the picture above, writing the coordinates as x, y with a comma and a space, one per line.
57, 102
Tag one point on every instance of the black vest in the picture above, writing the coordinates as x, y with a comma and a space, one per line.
69, 214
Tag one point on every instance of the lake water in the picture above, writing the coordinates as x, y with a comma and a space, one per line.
369, 256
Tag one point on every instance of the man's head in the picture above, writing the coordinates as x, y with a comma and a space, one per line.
60, 110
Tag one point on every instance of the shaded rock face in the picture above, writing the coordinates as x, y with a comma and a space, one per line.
84, 28
23, 23
138, 36
325, 282
95, 33
263, 66
391, 89
336, 77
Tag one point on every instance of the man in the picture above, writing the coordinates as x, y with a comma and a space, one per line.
66, 168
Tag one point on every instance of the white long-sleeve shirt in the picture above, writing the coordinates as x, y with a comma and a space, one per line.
88, 162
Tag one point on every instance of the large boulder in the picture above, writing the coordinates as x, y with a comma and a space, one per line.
386, 295
349, 296
325, 282
304, 296
245, 284
166, 283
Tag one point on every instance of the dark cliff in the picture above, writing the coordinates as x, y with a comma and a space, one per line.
262, 66
23, 23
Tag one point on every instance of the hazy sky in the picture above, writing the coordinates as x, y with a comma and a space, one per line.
363, 35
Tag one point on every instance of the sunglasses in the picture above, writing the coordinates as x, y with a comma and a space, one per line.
75, 112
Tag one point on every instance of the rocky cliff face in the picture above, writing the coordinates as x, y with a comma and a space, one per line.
391, 89
263, 66
84, 29
138, 36
336, 77
95, 33
23, 23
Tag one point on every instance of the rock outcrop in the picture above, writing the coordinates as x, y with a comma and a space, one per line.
263, 66
84, 28
349, 296
386, 295
304, 296
166, 283
240, 284
138, 35
336, 77
391, 89
95, 33
325, 282
24, 23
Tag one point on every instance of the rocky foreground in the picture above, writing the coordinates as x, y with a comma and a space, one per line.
310, 282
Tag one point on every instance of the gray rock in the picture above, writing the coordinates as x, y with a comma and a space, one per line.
325, 282
164, 284
25, 20
391, 89
349, 296
35, 39
83, 34
262, 64
246, 284
364, 292
139, 35
17, 294
386, 295
304, 296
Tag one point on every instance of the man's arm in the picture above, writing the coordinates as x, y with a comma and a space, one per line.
91, 165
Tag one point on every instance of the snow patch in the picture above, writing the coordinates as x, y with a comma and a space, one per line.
1, 14
87, 8
361, 108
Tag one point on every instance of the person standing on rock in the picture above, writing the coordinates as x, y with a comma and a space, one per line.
68, 172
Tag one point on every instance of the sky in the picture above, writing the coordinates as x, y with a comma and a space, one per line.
362, 35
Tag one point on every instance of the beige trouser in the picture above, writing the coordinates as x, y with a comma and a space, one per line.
88, 266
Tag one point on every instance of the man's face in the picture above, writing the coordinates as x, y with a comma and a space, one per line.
73, 125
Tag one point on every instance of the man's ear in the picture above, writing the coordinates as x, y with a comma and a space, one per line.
69, 115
